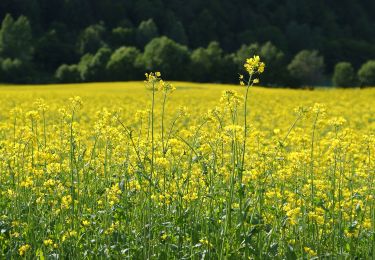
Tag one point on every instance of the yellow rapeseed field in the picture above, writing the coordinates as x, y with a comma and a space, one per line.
132, 170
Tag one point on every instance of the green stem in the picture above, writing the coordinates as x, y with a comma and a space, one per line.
162, 122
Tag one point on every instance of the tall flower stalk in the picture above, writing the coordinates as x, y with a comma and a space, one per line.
155, 83
253, 66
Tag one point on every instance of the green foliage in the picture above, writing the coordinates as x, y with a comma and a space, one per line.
124, 64
68, 74
210, 64
177, 32
93, 67
229, 72
64, 31
204, 28
146, 31
276, 67
14, 71
344, 75
168, 57
16, 38
366, 74
91, 39
206, 61
15, 50
84, 63
300, 36
51, 51
307, 67
123, 36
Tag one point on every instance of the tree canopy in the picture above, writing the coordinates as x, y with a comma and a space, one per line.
52, 33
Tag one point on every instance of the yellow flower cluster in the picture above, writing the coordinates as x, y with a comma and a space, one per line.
187, 177
23, 249
252, 66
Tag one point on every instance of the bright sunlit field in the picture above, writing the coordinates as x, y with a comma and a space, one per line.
97, 171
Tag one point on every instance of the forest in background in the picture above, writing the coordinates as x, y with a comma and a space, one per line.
205, 41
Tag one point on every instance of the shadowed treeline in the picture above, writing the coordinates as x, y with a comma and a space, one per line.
119, 40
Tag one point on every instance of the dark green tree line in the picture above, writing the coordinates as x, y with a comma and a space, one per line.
62, 32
